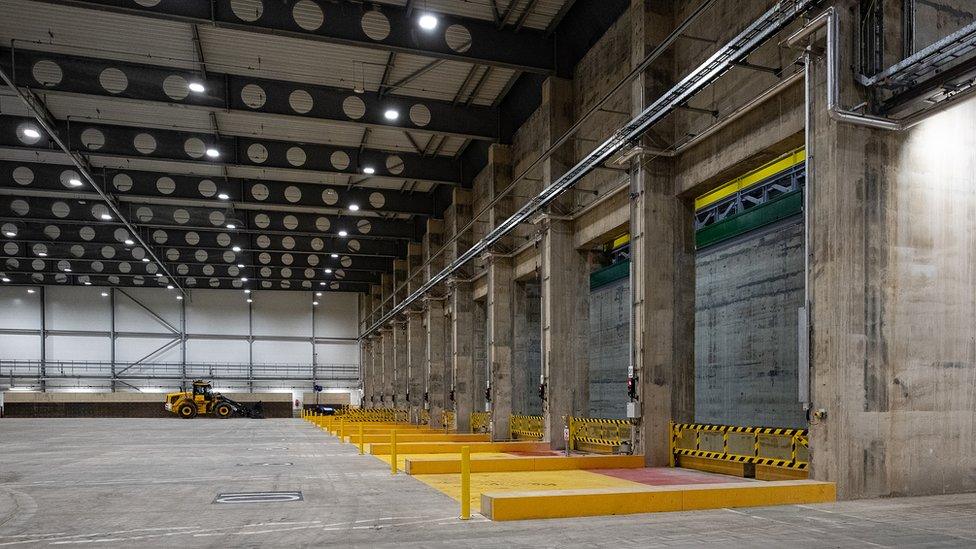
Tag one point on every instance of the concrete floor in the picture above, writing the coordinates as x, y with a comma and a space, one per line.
119, 482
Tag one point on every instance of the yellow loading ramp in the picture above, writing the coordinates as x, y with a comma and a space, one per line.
455, 447
411, 436
652, 499
437, 466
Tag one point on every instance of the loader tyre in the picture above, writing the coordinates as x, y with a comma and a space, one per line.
187, 410
223, 410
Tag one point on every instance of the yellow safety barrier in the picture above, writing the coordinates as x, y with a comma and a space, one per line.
447, 420
378, 415
526, 427
361, 439
465, 482
425, 417
770, 446
480, 421
599, 435
393, 452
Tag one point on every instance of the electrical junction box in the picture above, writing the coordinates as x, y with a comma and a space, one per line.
633, 410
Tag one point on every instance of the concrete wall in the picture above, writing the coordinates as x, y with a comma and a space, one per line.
894, 267
527, 351
609, 349
747, 294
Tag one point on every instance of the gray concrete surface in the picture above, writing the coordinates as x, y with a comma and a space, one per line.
152, 482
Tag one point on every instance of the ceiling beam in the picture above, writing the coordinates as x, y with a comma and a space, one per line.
104, 140
246, 95
210, 238
527, 50
114, 280
80, 207
143, 186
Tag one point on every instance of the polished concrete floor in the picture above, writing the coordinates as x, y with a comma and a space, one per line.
153, 482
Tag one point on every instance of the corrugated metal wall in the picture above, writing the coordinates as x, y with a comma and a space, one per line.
748, 291
609, 349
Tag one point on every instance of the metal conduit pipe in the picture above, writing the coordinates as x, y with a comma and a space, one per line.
757, 33
644, 64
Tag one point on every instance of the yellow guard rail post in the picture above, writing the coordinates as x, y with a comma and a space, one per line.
465, 482
393, 455
360, 439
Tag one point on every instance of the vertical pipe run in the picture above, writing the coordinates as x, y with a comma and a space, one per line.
465, 483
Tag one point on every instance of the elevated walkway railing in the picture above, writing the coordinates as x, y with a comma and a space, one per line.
771, 446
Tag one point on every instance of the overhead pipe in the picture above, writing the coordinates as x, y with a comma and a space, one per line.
756, 34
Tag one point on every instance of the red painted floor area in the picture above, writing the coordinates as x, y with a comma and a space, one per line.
665, 476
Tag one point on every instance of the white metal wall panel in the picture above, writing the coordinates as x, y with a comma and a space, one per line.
20, 309
217, 312
78, 348
282, 352
283, 313
132, 349
74, 308
130, 317
223, 351
336, 315
337, 353
20, 347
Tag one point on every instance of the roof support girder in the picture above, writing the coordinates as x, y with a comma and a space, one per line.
226, 92
528, 50
135, 184
189, 147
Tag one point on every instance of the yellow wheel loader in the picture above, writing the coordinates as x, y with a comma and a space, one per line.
203, 401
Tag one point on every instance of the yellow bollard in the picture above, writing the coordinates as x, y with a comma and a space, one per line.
465, 482
360, 439
393, 456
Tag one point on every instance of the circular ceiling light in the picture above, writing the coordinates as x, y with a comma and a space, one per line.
197, 87
213, 153
391, 114
427, 22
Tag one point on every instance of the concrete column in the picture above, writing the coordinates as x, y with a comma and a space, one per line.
436, 328
401, 364
462, 363
389, 362
365, 361
565, 319
662, 252
400, 269
416, 362
375, 372
500, 313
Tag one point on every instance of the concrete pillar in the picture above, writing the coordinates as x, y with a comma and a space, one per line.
417, 363
462, 363
565, 320
401, 364
662, 253
500, 317
388, 363
436, 328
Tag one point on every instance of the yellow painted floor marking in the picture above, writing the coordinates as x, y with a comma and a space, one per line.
521, 481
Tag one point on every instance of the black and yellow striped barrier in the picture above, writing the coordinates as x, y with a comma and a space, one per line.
480, 422
600, 435
771, 446
521, 427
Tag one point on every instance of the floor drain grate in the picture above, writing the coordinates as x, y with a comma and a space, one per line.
258, 497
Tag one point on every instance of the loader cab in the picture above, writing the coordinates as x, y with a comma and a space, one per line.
202, 392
